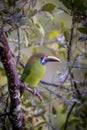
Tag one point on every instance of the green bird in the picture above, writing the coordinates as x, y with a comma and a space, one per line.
36, 67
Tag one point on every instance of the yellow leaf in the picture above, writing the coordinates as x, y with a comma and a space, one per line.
54, 33
57, 72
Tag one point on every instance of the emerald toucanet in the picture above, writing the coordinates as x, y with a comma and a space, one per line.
35, 68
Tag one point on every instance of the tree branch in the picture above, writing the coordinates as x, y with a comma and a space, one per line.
13, 83
32, 90
69, 51
78, 93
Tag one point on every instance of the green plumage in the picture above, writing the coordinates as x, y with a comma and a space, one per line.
34, 70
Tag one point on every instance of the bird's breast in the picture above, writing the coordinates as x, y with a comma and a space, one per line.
36, 74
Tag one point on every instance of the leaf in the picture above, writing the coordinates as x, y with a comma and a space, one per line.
66, 35
11, 3
68, 4
40, 28
73, 121
82, 30
63, 10
40, 128
64, 109
85, 75
54, 33
62, 75
49, 15
26, 40
3, 80
62, 26
78, 5
62, 52
48, 7
61, 39
2, 71
76, 100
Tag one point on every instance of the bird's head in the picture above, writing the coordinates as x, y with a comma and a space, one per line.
42, 58
45, 58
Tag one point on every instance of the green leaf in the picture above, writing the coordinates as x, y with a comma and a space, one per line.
40, 28
62, 26
48, 7
85, 75
68, 4
3, 80
82, 30
78, 5
66, 34
62, 52
40, 128
2, 71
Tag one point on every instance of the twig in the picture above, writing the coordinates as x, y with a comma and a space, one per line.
4, 114
5, 110
22, 65
19, 47
69, 51
36, 44
69, 55
68, 115
48, 42
49, 110
55, 85
50, 84
32, 90
78, 67
75, 87
53, 92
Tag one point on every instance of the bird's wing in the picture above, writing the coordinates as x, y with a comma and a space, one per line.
26, 72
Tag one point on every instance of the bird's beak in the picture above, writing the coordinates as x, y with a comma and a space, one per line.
51, 59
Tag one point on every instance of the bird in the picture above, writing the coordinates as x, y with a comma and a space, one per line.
35, 68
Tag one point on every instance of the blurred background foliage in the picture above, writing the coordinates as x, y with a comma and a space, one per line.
57, 28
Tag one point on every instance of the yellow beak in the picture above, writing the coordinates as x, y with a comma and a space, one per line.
52, 59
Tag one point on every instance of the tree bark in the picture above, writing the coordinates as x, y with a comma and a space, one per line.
13, 83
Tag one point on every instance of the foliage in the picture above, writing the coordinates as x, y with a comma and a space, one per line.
31, 26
